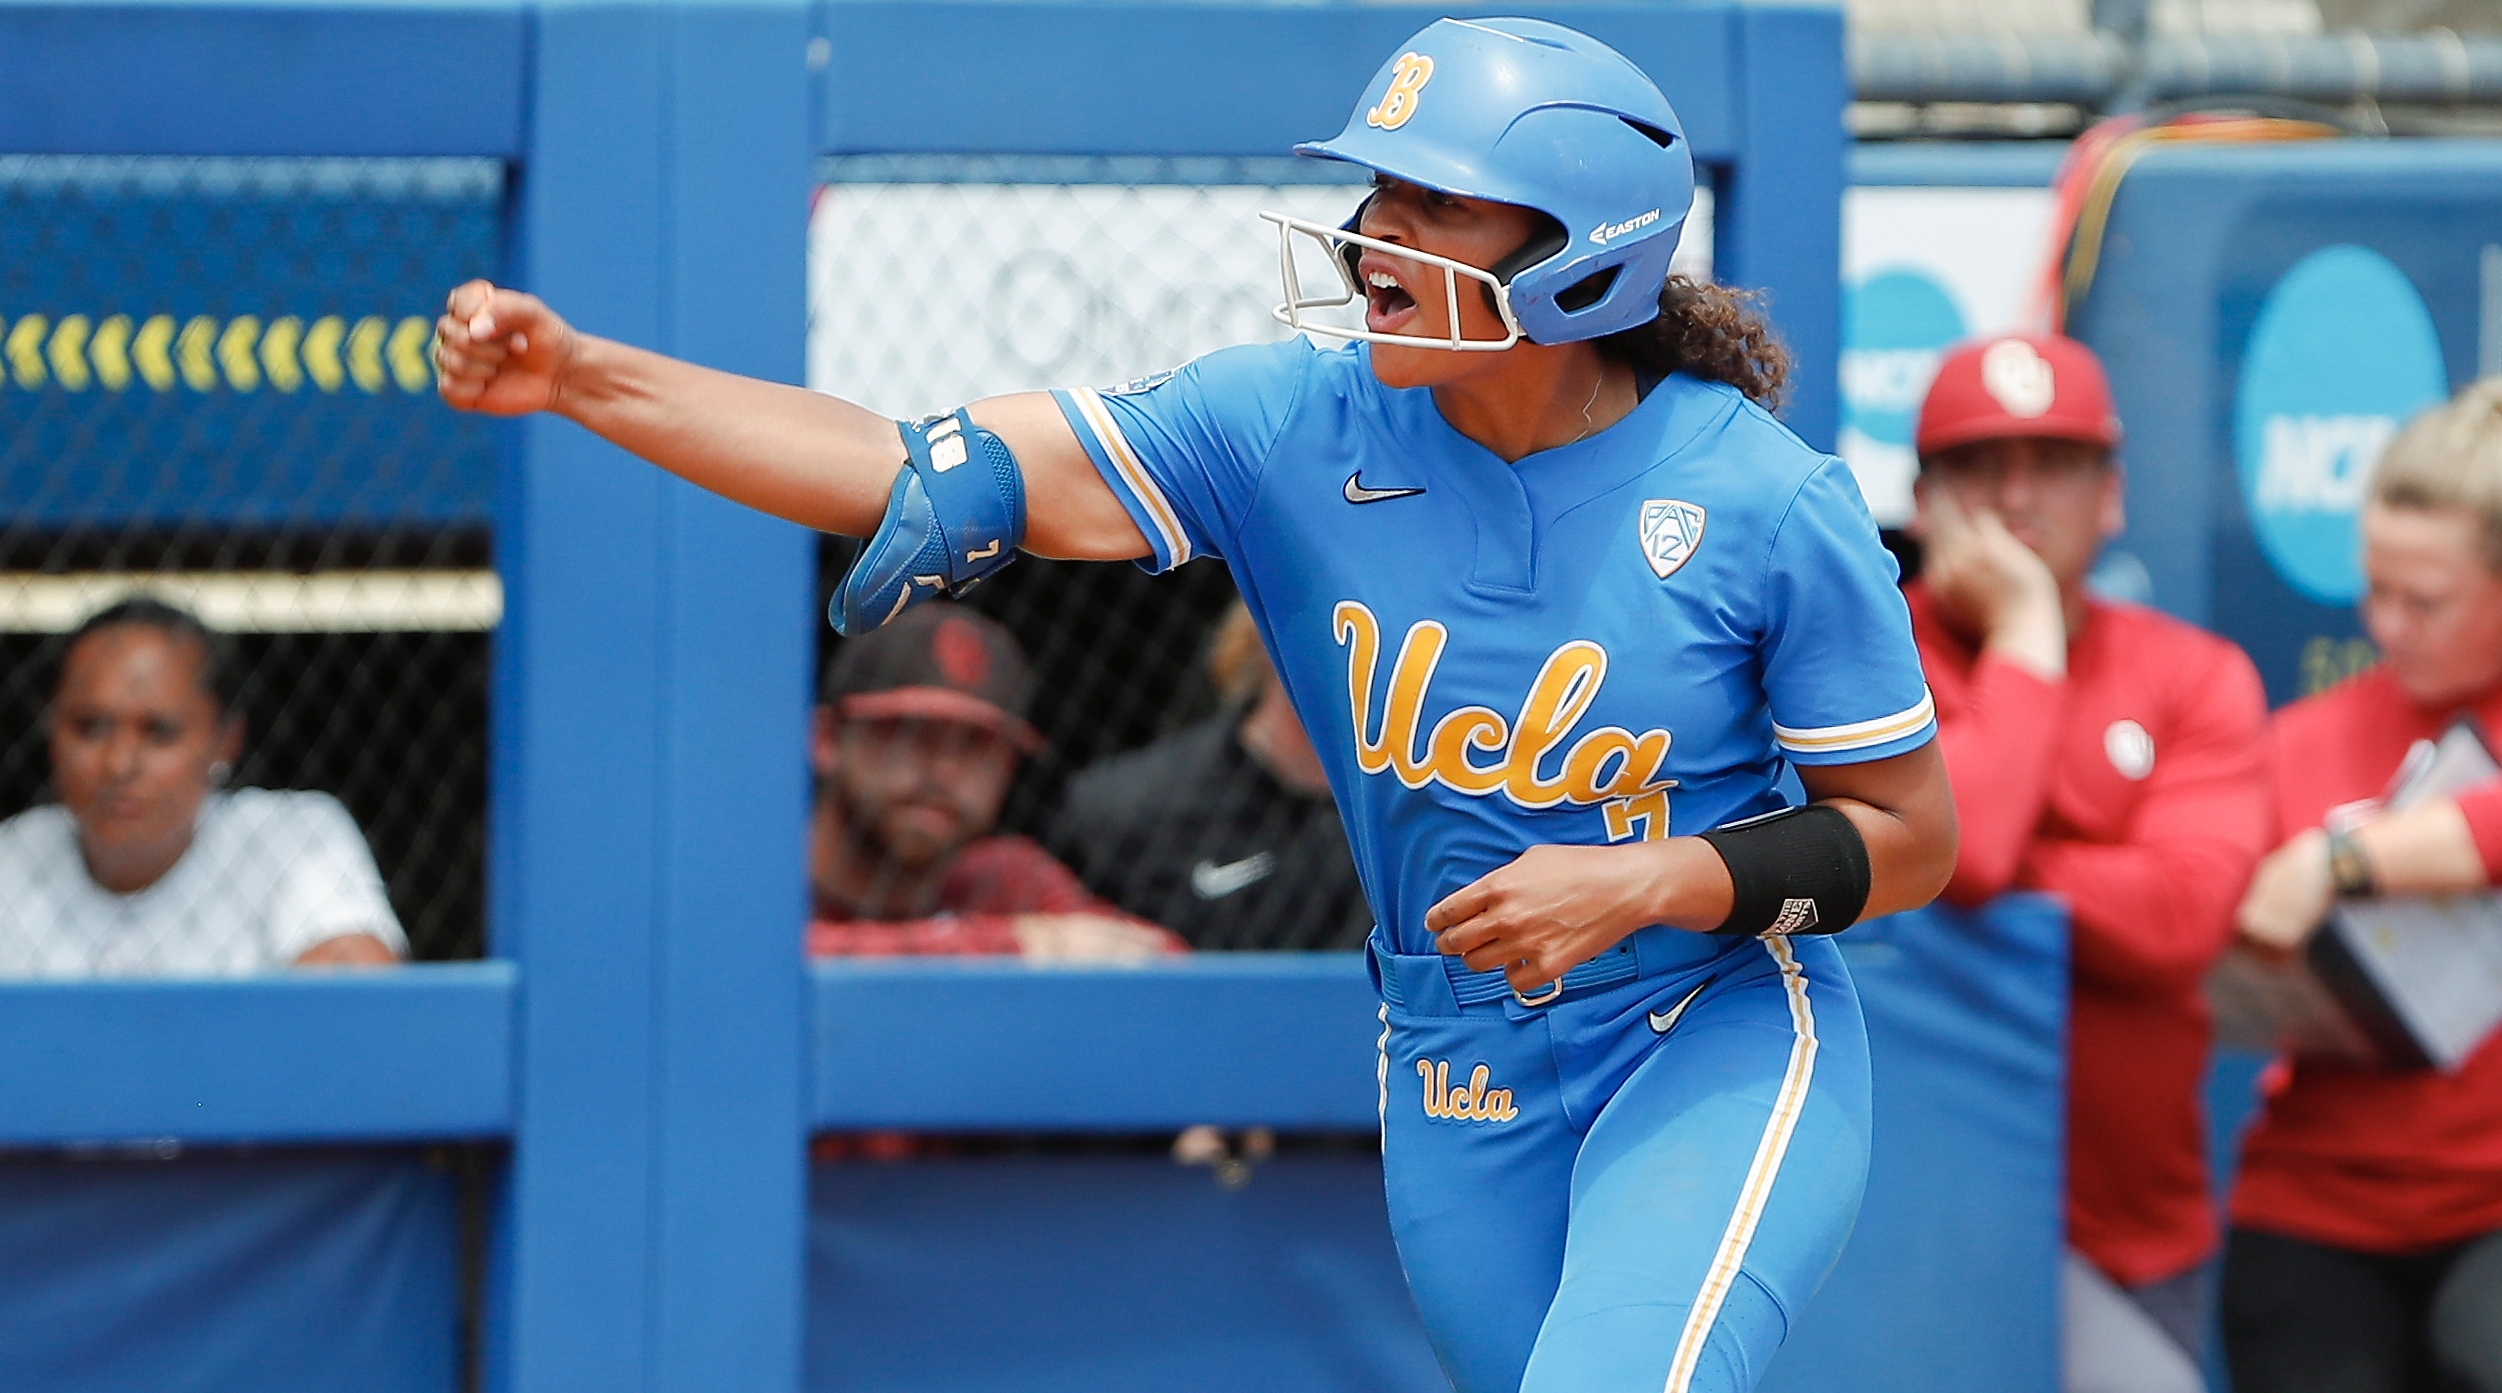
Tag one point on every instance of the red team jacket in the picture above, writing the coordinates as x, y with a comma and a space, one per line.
2134, 791
2382, 1160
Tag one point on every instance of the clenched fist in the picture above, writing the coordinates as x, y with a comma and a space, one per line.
501, 352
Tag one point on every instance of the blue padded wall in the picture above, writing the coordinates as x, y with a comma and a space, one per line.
1951, 1279
957, 1275
288, 1273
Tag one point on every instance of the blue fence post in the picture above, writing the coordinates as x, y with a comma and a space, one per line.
1779, 210
732, 1156
649, 723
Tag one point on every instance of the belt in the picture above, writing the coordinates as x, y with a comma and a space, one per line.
1617, 965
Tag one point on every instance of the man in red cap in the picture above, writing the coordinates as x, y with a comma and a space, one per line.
919, 729
2111, 756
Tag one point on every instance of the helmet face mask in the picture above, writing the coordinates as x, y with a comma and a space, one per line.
1334, 243
1535, 115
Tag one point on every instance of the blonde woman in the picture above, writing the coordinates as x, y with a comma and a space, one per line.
2366, 1251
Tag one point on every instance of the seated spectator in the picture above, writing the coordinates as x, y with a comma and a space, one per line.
2366, 1250
147, 866
2110, 756
1224, 832
918, 734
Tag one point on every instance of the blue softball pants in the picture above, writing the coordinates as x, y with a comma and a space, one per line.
1636, 1187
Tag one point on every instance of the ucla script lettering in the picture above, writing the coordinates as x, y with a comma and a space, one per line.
1610, 767
1470, 1102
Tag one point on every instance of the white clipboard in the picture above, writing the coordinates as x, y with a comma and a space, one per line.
2421, 975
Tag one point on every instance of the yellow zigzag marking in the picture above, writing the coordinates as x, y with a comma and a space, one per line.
321, 352
278, 353
68, 368
155, 366
110, 348
207, 353
24, 346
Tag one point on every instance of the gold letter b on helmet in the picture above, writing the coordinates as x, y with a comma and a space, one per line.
1407, 83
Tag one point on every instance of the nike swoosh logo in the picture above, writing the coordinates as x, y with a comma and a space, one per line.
1357, 493
1664, 1021
1211, 880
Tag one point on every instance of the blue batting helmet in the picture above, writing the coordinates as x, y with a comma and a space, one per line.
1525, 112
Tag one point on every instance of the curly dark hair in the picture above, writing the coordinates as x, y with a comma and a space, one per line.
1712, 332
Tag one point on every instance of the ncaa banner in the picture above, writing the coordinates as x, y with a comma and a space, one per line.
1923, 269
2342, 355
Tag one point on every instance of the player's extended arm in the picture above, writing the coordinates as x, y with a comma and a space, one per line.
801, 455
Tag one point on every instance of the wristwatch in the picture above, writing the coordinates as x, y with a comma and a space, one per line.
2348, 868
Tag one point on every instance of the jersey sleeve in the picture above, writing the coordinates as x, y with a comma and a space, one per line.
1183, 452
1839, 665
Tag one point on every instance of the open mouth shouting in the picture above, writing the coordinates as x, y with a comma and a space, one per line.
1389, 307
1392, 280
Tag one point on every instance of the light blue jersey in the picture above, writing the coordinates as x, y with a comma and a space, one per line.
1623, 637
1635, 1181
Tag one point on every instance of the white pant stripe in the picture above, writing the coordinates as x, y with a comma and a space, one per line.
1786, 1106
1381, 1072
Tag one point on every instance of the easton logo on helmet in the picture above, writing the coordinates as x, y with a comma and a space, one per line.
1607, 232
1407, 83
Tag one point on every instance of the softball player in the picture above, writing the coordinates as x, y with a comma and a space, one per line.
1551, 593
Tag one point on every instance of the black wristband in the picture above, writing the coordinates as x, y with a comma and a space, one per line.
1795, 871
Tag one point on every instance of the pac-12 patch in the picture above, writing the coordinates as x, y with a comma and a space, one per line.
1670, 529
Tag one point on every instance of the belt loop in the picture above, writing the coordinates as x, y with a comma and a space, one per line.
1429, 986
1417, 984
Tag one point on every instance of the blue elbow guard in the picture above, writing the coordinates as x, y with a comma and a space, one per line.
957, 514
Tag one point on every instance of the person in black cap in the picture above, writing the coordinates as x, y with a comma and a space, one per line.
918, 732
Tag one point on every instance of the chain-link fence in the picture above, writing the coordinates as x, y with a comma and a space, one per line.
935, 281
214, 389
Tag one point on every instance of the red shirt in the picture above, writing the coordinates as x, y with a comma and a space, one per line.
2382, 1160
992, 881
2133, 790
